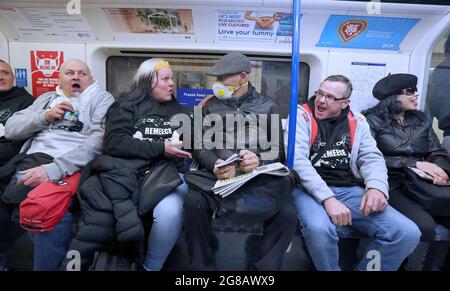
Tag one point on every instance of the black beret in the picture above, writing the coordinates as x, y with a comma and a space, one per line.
392, 84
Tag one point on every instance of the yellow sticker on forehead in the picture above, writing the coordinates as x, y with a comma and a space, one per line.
161, 65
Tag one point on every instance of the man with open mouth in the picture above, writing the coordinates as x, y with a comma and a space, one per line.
64, 132
344, 182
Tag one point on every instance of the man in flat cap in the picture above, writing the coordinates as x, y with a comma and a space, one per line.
264, 198
343, 181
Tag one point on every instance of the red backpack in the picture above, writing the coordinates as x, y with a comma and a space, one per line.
352, 123
47, 203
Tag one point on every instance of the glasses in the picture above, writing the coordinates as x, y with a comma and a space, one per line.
409, 91
330, 98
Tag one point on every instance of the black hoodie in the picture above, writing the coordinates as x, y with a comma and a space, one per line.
138, 129
11, 101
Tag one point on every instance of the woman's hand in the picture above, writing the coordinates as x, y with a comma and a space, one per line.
440, 177
172, 149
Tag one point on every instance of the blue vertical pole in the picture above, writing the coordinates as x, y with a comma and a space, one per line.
294, 80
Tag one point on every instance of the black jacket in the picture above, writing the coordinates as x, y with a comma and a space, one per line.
11, 193
108, 200
117, 201
12, 101
251, 103
112, 207
439, 94
137, 130
407, 144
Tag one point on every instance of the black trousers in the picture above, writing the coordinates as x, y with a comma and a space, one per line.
279, 228
400, 200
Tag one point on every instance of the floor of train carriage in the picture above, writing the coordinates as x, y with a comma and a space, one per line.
230, 255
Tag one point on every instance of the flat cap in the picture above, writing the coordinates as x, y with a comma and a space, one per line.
231, 63
392, 84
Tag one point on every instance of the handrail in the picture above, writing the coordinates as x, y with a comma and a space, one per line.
296, 9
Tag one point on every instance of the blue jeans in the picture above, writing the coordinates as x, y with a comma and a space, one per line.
394, 235
50, 248
167, 224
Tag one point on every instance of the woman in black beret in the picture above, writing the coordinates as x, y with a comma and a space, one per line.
406, 138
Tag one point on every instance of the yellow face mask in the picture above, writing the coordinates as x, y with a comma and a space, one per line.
222, 91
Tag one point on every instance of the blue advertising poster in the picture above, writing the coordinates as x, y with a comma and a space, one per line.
285, 26
190, 97
365, 32
21, 77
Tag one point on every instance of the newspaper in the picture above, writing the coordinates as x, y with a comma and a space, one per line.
230, 160
223, 188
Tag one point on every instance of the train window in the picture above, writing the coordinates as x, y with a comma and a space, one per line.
270, 77
439, 84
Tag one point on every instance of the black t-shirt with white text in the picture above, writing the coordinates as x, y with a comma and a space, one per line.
331, 150
153, 128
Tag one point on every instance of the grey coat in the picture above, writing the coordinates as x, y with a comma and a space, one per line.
26, 123
366, 160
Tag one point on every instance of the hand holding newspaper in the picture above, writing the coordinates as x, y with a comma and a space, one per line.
223, 188
232, 159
